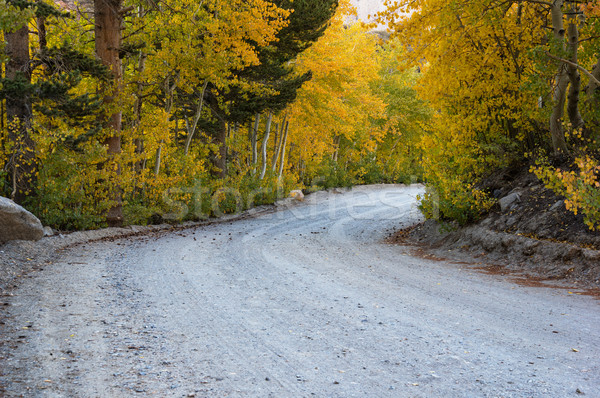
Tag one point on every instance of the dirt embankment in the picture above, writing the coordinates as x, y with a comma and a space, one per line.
529, 231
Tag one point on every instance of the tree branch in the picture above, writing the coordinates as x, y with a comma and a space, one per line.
581, 68
546, 3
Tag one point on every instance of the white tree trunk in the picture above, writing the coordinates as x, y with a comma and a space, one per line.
282, 161
279, 143
192, 129
253, 143
263, 148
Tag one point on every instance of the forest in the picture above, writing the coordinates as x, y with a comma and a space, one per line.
117, 112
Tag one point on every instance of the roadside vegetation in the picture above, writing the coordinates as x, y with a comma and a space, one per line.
509, 83
128, 112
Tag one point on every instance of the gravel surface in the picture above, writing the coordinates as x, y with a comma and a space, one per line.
306, 301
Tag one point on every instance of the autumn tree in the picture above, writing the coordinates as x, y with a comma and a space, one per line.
272, 84
500, 82
334, 111
16, 91
44, 84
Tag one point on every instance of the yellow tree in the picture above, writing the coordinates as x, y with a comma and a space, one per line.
473, 61
497, 77
334, 112
191, 52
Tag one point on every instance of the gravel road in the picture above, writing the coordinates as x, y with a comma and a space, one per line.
302, 302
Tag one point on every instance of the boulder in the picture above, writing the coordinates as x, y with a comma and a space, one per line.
509, 201
18, 223
297, 194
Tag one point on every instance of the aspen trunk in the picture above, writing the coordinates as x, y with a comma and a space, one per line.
157, 160
278, 144
561, 83
574, 75
336, 143
192, 129
282, 161
253, 142
108, 25
263, 148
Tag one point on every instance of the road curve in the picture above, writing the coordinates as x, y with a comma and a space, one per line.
307, 301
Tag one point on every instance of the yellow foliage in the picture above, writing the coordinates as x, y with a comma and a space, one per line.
338, 102
581, 187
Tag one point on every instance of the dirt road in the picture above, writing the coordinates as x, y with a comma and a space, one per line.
297, 303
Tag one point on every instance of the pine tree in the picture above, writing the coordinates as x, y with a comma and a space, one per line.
276, 78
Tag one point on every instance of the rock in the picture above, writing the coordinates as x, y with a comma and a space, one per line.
507, 202
18, 223
48, 231
297, 194
557, 206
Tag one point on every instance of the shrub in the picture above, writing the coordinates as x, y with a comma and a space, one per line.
580, 187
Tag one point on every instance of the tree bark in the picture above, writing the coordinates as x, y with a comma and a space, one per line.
157, 160
278, 144
282, 161
22, 165
108, 24
263, 148
561, 83
253, 142
192, 128
574, 75
336, 143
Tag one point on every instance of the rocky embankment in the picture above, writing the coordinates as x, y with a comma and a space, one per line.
529, 231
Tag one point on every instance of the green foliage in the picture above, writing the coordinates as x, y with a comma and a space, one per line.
331, 174
214, 198
70, 192
140, 213
457, 202
42, 10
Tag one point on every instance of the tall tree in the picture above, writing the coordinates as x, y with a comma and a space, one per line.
273, 82
17, 91
333, 113
108, 27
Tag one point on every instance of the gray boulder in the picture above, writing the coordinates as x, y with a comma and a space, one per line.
18, 223
510, 201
